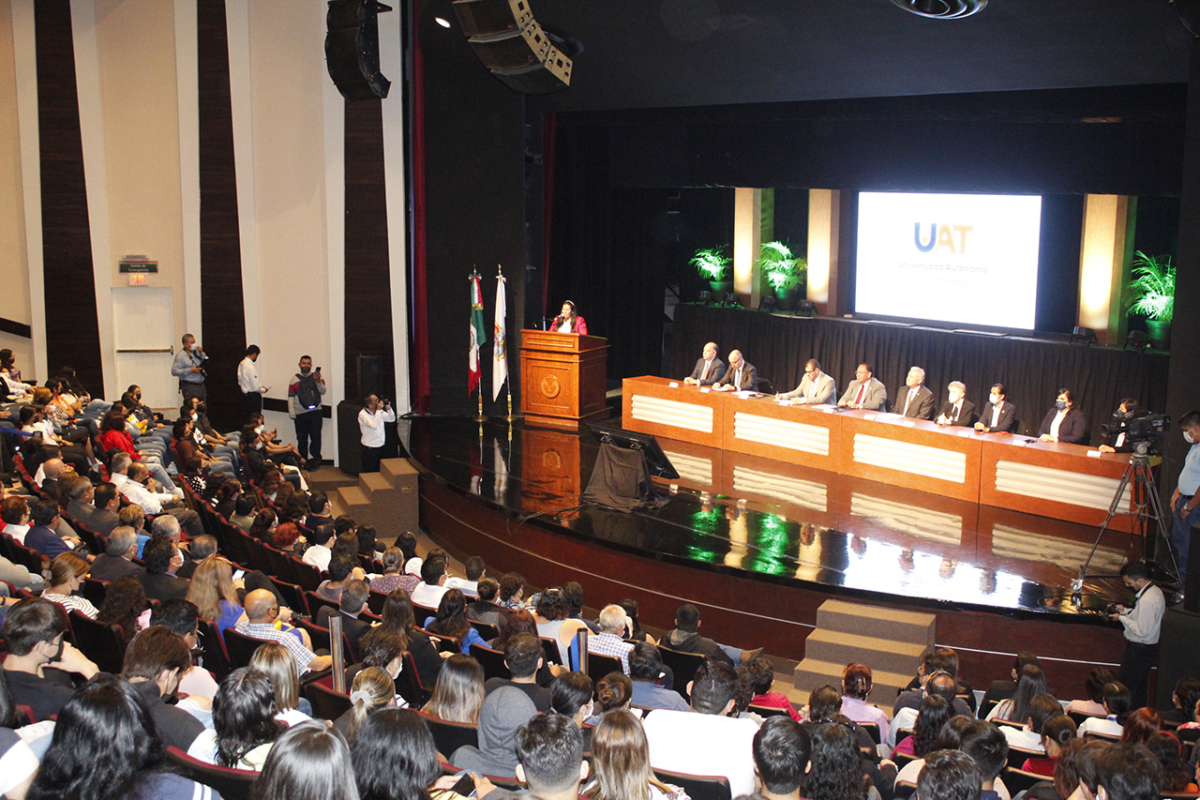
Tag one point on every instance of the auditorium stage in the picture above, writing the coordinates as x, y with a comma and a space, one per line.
760, 543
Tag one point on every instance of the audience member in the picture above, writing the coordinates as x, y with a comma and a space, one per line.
181, 617
550, 613
937, 683
761, 675
432, 588
781, 751
1117, 704
550, 751
43, 535
686, 638
393, 565
1041, 708
609, 640
309, 761
341, 570
1167, 749
476, 569
163, 561
645, 669
614, 692
512, 590
275, 662
1184, 697
1093, 706
632, 610
352, 604
573, 593
834, 770
1031, 681
126, 606
117, 560
67, 572
372, 690
1128, 772
1057, 733
459, 691
451, 620
106, 746
857, 683
395, 758
523, 657
262, 610
214, 594
571, 695
984, 743
935, 660
244, 725
935, 712
503, 712
485, 609
34, 631
621, 763
398, 617
1140, 726
319, 551
705, 741
950, 775
154, 661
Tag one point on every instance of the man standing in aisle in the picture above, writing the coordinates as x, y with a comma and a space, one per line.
1185, 503
371, 421
188, 367
248, 382
1142, 624
304, 407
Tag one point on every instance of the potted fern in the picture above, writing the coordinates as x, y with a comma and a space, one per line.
783, 271
1153, 290
713, 266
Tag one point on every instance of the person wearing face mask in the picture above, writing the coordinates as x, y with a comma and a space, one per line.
957, 410
1185, 505
188, 367
248, 381
1064, 422
206, 438
371, 423
154, 662
998, 415
1117, 442
38, 657
275, 450
304, 407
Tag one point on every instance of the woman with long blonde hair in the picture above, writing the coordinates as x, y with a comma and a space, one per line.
273, 660
621, 756
459, 691
213, 593
371, 691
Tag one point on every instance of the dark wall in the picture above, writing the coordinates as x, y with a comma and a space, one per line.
474, 197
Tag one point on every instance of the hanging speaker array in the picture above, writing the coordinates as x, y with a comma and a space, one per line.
513, 46
352, 48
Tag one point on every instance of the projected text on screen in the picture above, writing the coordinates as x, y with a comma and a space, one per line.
958, 258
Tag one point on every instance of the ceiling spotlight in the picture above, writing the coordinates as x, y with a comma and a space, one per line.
445, 23
942, 9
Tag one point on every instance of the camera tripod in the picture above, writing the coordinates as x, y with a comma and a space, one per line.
1147, 507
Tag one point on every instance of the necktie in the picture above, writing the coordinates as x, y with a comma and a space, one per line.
704, 374
908, 400
737, 379
957, 410
862, 390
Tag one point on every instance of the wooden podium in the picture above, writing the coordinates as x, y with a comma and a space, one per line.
563, 378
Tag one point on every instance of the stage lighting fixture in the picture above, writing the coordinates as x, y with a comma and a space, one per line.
1138, 340
806, 308
942, 9
705, 296
1082, 335
767, 304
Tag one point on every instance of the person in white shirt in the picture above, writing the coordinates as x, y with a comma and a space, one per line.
371, 421
706, 740
319, 552
1142, 624
429, 591
249, 383
1041, 708
476, 571
14, 511
1118, 702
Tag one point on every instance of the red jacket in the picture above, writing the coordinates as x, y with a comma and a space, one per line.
578, 325
118, 440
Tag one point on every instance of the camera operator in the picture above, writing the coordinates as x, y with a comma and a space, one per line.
1185, 505
1142, 624
1115, 439
371, 421
188, 367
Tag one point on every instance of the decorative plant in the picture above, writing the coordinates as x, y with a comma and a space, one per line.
712, 263
781, 268
1153, 287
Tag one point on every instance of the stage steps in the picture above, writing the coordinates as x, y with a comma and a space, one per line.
890, 642
386, 499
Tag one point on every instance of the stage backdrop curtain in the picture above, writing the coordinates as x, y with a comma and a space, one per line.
1031, 370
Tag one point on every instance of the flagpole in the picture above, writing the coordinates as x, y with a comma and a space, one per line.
479, 417
509, 417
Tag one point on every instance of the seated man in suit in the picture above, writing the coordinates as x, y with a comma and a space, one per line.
353, 602
117, 559
914, 400
163, 560
815, 387
865, 391
957, 410
999, 415
709, 369
740, 377
1116, 442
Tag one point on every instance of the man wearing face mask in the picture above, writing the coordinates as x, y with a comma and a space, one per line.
1117, 442
957, 410
371, 423
188, 367
999, 415
304, 406
38, 657
1185, 505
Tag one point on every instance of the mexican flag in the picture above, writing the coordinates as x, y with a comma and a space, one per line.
478, 336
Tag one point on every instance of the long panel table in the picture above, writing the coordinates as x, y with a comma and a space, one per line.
1060, 481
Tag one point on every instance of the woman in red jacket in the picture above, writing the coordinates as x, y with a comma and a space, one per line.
113, 436
568, 321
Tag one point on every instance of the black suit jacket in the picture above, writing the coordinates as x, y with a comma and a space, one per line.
109, 568
715, 373
966, 415
1073, 428
354, 628
749, 378
164, 587
103, 521
1008, 417
921, 406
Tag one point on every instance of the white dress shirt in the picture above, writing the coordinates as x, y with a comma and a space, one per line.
996, 409
371, 425
319, 556
134, 492
1143, 621
247, 374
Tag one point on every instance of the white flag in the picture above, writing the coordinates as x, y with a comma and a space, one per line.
500, 346
500, 468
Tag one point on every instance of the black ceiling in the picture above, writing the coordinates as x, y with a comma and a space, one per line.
668, 53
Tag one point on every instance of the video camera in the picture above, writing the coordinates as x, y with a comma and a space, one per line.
1141, 430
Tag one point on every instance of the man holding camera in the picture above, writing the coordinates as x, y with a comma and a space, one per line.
1185, 504
1115, 438
371, 421
304, 407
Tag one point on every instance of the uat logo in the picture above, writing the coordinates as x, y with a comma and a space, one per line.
941, 235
